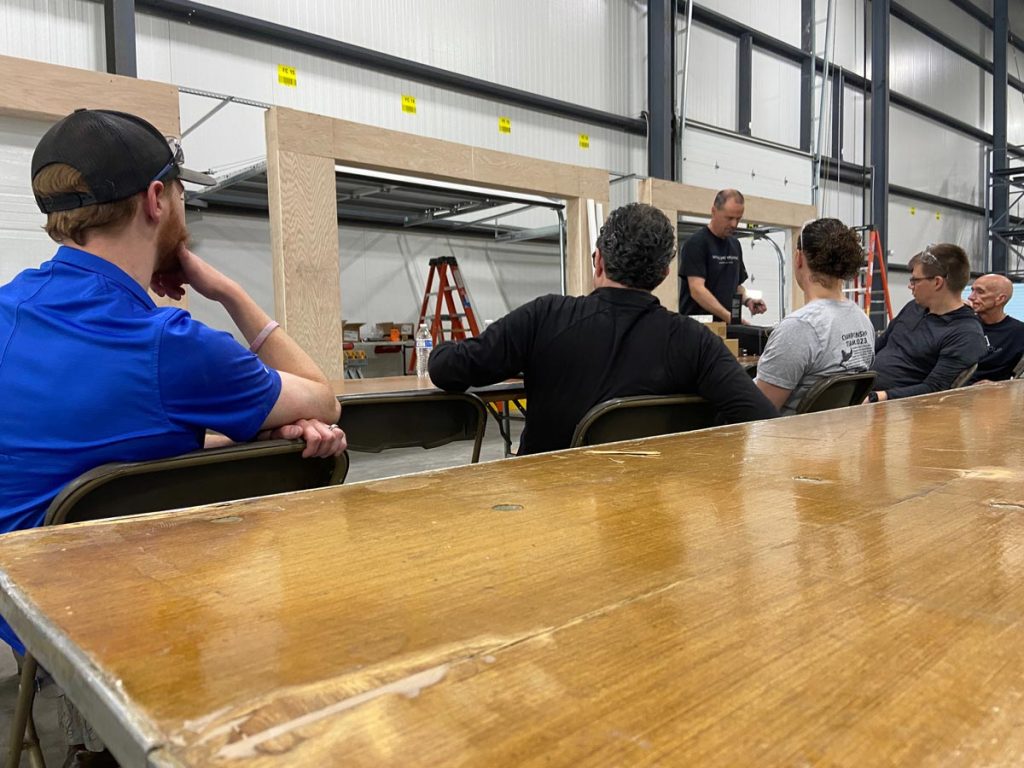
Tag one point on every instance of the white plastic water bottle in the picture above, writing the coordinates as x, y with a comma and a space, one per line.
424, 343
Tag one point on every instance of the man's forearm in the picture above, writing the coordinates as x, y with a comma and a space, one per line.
278, 351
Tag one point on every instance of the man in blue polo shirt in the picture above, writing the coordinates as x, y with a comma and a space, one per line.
91, 370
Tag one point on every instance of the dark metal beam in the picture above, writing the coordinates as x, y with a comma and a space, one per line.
937, 200
974, 11
936, 34
838, 112
940, 117
250, 28
860, 176
977, 13
745, 76
923, 110
880, 143
119, 28
1000, 190
762, 40
806, 73
661, 44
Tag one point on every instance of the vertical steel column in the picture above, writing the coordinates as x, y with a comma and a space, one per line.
838, 112
806, 73
745, 74
661, 45
880, 144
119, 26
1000, 191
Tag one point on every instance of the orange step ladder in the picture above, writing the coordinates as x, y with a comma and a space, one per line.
874, 252
449, 286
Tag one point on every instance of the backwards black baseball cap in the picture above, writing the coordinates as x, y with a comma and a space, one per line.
118, 155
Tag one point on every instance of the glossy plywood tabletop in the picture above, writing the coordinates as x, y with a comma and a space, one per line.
393, 385
844, 588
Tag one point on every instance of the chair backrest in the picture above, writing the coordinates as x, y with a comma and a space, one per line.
375, 423
1018, 370
628, 418
191, 479
963, 377
837, 391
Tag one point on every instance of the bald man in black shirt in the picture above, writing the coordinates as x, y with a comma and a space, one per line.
1004, 335
711, 265
577, 351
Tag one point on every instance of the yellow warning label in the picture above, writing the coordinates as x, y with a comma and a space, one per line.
504, 125
584, 141
286, 76
408, 104
913, 211
938, 216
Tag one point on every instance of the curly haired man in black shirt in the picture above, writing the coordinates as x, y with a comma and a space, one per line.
577, 351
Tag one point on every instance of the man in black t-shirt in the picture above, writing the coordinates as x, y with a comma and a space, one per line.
711, 267
1004, 334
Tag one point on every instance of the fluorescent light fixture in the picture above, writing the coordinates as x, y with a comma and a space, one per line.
448, 186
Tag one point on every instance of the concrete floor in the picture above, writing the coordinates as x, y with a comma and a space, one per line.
363, 466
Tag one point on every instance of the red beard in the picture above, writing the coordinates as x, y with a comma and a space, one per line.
169, 239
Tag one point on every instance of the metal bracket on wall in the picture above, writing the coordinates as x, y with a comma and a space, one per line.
223, 103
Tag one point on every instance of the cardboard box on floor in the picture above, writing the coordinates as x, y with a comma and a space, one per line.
350, 331
404, 330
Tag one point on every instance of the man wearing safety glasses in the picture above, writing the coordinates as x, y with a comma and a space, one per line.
91, 370
935, 337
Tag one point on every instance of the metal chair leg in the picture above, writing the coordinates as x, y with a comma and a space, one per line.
32, 745
23, 731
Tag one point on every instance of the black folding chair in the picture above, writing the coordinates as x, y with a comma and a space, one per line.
839, 391
629, 418
963, 377
375, 423
188, 480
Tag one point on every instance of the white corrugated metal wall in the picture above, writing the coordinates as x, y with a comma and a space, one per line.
527, 45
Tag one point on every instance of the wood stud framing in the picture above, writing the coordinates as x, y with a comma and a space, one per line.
303, 213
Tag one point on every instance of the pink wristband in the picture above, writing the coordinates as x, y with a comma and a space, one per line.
268, 329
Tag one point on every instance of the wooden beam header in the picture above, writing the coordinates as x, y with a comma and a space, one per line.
367, 146
696, 201
35, 90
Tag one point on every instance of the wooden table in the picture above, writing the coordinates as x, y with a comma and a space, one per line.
511, 389
505, 393
842, 589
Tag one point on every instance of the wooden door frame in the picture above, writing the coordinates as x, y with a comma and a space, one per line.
302, 152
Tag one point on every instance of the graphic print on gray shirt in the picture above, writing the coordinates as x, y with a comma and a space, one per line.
819, 340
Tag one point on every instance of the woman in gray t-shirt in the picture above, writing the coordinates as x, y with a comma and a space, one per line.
829, 334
